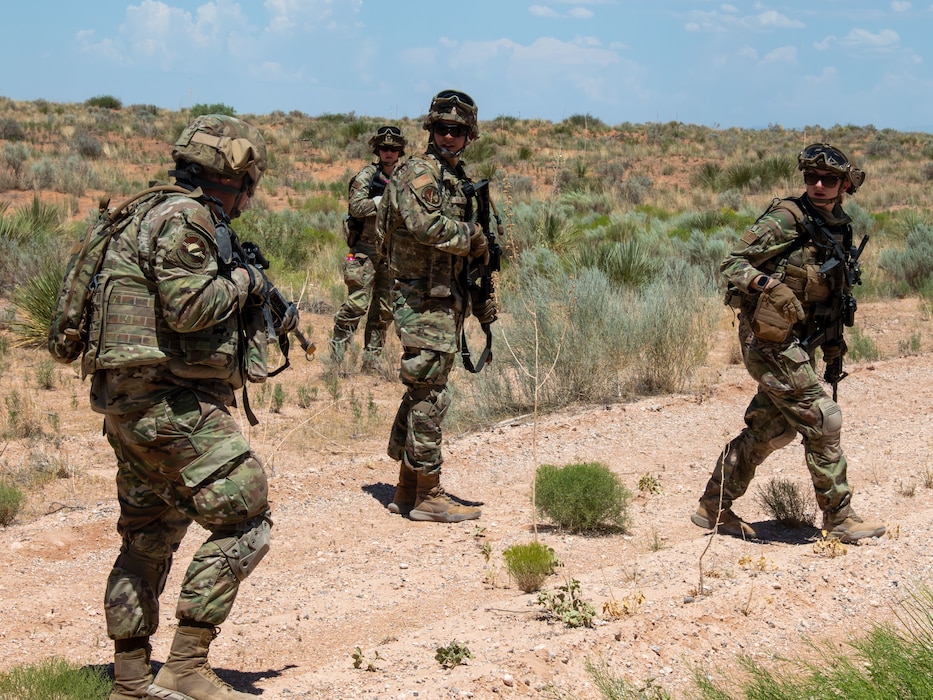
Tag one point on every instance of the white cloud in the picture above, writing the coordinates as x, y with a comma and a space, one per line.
542, 11
727, 18
550, 13
885, 41
774, 19
580, 13
783, 54
900, 6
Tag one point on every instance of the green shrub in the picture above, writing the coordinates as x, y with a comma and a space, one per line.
35, 301
582, 497
529, 564
201, 109
55, 679
12, 500
11, 130
914, 263
104, 102
787, 502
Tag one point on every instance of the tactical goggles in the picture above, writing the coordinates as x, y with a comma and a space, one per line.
811, 178
389, 131
455, 130
455, 96
824, 153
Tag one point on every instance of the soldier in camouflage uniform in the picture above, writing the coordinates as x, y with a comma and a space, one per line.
426, 224
776, 271
365, 271
168, 324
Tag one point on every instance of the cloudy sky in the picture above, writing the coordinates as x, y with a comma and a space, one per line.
719, 64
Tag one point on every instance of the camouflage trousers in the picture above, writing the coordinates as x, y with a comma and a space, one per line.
183, 460
416, 431
790, 401
368, 287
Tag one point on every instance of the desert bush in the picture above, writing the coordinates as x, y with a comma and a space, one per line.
15, 156
913, 264
30, 238
12, 500
582, 497
530, 564
628, 263
11, 130
202, 108
87, 146
787, 502
104, 102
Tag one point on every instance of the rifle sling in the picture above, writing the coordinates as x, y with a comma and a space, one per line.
484, 355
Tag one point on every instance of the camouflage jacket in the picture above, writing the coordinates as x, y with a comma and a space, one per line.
780, 244
424, 226
162, 315
361, 205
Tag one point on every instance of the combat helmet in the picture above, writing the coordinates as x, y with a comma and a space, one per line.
388, 136
453, 106
826, 157
221, 145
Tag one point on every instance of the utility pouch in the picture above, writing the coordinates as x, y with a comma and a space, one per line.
768, 323
734, 297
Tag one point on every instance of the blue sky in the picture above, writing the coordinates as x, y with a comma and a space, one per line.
719, 64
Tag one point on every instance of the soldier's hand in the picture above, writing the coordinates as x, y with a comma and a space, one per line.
289, 320
479, 246
486, 311
250, 282
833, 351
786, 301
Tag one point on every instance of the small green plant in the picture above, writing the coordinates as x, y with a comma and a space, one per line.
911, 346
614, 688
11, 503
529, 564
649, 483
861, 347
567, 605
360, 661
278, 398
787, 502
582, 497
453, 654
45, 374
55, 678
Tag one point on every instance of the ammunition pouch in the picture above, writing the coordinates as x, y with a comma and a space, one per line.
808, 284
768, 323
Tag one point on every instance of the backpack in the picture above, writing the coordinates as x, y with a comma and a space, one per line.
353, 226
68, 329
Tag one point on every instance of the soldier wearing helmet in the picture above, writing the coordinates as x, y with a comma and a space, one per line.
426, 223
169, 323
365, 271
785, 281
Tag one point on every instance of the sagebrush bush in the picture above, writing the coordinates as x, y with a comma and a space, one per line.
104, 102
530, 564
582, 497
12, 500
788, 502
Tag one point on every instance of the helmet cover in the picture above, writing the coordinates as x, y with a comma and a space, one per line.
826, 157
455, 107
223, 145
388, 136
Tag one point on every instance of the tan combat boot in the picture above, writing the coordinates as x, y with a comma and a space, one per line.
405, 490
132, 674
729, 522
187, 675
846, 526
433, 505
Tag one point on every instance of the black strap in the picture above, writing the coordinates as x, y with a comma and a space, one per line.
483, 357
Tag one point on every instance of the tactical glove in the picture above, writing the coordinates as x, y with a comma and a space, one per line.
833, 351
479, 246
289, 320
250, 282
784, 299
486, 311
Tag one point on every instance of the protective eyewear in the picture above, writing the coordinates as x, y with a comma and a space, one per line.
455, 130
393, 149
455, 96
824, 153
390, 131
811, 178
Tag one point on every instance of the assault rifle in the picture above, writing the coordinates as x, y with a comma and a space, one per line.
831, 319
353, 225
479, 278
283, 313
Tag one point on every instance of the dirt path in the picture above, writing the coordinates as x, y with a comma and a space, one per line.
343, 572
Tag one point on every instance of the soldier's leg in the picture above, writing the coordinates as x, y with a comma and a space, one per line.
358, 274
378, 317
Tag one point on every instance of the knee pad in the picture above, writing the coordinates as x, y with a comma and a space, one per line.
831, 416
432, 404
244, 552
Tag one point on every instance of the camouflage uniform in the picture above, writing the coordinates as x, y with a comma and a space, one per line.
790, 397
429, 225
165, 370
365, 273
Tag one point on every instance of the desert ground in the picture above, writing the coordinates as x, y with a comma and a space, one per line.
345, 573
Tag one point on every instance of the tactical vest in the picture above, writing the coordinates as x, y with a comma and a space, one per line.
127, 325
410, 259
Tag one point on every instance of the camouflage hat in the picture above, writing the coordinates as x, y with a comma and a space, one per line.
388, 136
223, 145
455, 107
826, 157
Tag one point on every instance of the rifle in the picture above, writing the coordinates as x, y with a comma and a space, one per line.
282, 313
832, 319
479, 278
353, 227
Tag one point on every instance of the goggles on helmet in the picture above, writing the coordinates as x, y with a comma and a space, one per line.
822, 156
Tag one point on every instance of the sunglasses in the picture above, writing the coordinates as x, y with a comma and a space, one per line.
811, 178
393, 149
455, 130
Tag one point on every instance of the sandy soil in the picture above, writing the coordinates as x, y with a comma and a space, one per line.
344, 573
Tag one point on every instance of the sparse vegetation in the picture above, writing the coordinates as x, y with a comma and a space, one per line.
530, 564
11, 502
567, 604
788, 502
453, 654
582, 497
55, 679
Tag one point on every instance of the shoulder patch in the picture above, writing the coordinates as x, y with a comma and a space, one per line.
192, 252
421, 181
200, 219
751, 235
431, 195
